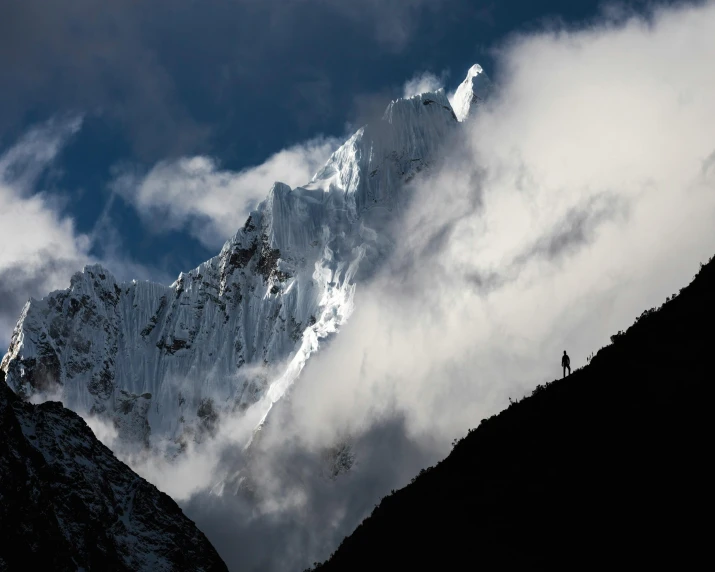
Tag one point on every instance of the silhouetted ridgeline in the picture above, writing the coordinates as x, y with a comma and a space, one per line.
609, 466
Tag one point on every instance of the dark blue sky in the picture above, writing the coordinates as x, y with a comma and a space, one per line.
234, 80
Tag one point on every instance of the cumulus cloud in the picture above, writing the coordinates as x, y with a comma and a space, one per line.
582, 194
422, 83
212, 204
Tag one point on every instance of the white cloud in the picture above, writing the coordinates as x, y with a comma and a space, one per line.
194, 193
23, 163
422, 83
40, 248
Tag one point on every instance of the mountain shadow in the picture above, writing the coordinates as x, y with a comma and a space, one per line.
66, 503
607, 467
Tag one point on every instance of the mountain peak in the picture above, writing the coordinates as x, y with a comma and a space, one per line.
475, 88
94, 273
475, 70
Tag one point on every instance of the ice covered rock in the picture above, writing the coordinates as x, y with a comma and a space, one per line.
472, 92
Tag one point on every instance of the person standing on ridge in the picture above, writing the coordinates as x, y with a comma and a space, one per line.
566, 363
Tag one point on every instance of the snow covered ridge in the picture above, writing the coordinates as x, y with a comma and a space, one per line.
69, 504
161, 363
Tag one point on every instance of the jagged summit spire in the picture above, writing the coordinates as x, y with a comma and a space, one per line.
475, 88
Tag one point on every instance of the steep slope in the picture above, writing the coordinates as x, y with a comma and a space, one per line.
608, 466
163, 362
66, 503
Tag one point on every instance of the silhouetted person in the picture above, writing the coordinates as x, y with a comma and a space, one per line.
566, 363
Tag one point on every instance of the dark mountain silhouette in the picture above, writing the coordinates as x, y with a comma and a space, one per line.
66, 503
609, 466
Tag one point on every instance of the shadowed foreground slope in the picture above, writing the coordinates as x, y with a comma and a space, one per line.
66, 503
609, 465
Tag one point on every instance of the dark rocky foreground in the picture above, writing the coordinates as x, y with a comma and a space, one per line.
610, 467
66, 503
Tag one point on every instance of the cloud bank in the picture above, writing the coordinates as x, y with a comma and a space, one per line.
583, 194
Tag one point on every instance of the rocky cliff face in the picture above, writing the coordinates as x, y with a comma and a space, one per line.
66, 503
163, 362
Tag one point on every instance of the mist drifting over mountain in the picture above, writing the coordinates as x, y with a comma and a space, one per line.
437, 264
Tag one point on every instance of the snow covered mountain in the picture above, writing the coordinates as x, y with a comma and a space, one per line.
472, 92
163, 362
66, 503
